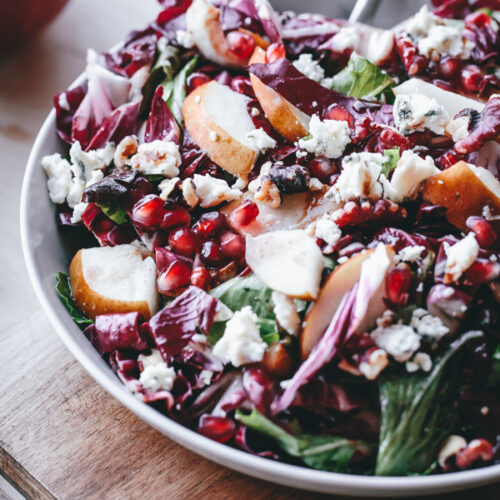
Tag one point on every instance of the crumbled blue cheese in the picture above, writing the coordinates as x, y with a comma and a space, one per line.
410, 254
328, 137
85, 162
427, 325
460, 256
156, 374
309, 67
409, 173
458, 128
157, 158
59, 176
359, 177
421, 361
400, 341
212, 191
260, 141
327, 230
286, 313
241, 342
417, 112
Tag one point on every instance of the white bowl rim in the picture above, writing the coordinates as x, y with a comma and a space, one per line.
262, 468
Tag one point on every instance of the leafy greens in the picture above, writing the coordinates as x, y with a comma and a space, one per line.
63, 289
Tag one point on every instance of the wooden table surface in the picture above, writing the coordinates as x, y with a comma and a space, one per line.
61, 435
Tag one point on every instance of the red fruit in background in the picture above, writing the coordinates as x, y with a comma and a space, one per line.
173, 216
241, 44
177, 275
21, 19
219, 429
478, 19
148, 211
183, 241
211, 254
339, 113
195, 80
274, 52
200, 277
397, 285
449, 66
244, 214
485, 234
232, 245
209, 224
472, 78
242, 85
321, 168
391, 139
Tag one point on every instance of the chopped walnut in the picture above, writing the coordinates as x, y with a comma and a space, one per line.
269, 194
125, 150
189, 193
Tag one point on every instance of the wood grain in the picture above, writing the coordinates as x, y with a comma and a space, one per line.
61, 435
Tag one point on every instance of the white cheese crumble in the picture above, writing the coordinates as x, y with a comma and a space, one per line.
241, 342
410, 254
58, 171
359, 177
418, 112
427, 325
184, 39
286, 313
327, 230
328, 137
189, 193
409, 173
156, 374
400, 341
85, 162
212, 191
166, 187
78, 212
452, 445
421, 361
460, 256
458, 128
62, 100
259, 140
309, 67
373, 366
157, 158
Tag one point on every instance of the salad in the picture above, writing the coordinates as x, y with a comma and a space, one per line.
286, 229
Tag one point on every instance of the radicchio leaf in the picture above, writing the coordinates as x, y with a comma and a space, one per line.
66, 103
161, 124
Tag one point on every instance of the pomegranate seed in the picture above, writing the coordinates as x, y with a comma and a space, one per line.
321, 168
139, 189
241, 44
183, 241
211, 254
472, 78
397, 285
274, 52
224, 78
336, 112
148, 211
219, 429
449, 66
232, 245
485, 234
391, 139
477, 449
209, 224
242, 85
445, 85
196, 80
482, 271
448, 159
178, 274
173, 216
244, 214
478, 19
164, 257
200, 277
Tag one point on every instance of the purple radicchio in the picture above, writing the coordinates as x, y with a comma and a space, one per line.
173, 326
66, 104
161, 124
458, 9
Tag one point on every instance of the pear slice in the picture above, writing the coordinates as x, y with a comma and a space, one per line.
114, 280
289, 262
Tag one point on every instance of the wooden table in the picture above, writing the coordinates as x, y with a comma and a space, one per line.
62, 435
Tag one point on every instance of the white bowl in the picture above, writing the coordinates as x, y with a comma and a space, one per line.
46, 251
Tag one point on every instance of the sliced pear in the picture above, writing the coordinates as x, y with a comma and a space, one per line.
289, 262
114, 280
203, 23
286, 118
464, 190
453, 103
217, 119
340, 281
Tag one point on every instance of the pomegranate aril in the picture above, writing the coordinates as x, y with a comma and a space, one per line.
232, 245
472, 78
449, 66
391, 139
210, 253
219, 429
200, 277
339, 113
485, 234
177, 275
196, 80
183, 241
482, 271
148, 211
397, 285
242, 85
173, 216
321, 168
241, 44
164, 257
274, 52
244, 214
209, 224
478, 19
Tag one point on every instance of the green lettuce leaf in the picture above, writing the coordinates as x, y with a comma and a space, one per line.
63, 289
392, 157
417, 413
321, 452
362, 79
494, 379
174, 90
114, 211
